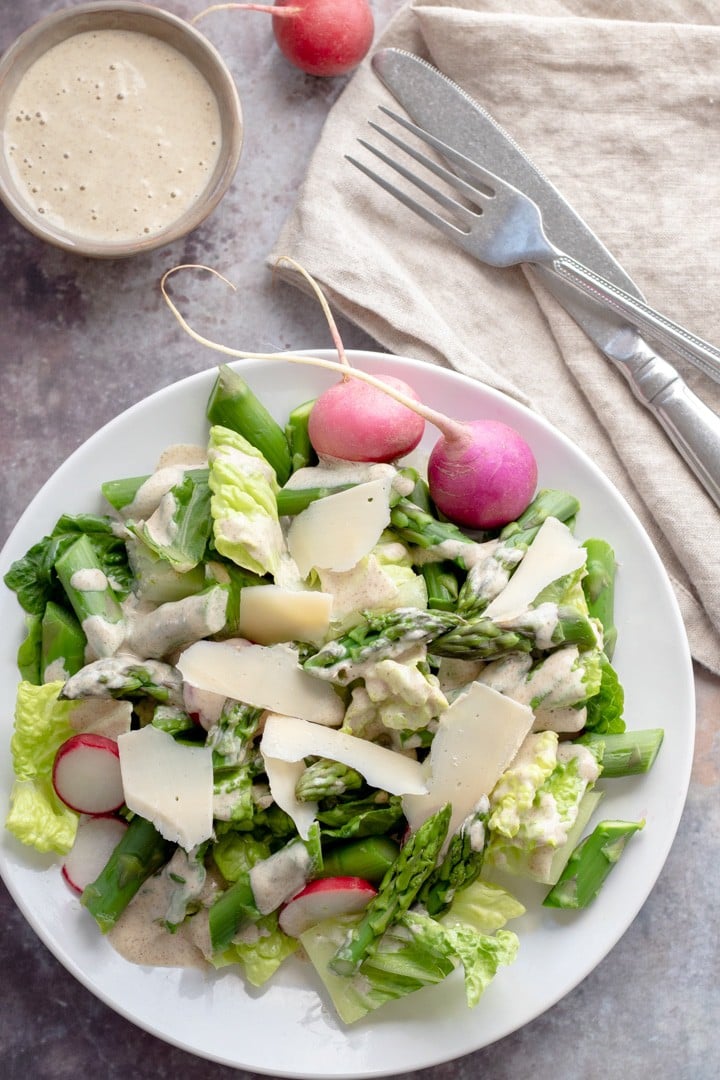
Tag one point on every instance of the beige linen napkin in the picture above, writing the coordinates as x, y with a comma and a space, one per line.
619, 104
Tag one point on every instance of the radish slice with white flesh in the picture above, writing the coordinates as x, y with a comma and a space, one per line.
95, 841
86, 774
324, 898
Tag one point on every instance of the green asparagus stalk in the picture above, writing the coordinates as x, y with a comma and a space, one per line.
177, 623
462, 863
442, 584
489, 576
628, 753
482, 639
599, 588
326, 779
126, 677
369, 858
89, 592
231, 738
590, 863
398, 890
292, 501
120, 493
302, 453
379, 636
233, 404
140, 853
420, 494
29, 653
420, 528
63, 641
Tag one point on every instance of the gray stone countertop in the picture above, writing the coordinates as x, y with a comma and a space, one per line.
80, 341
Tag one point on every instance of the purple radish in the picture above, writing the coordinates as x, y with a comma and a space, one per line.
95, 841
357, 422
86, 774
324, 898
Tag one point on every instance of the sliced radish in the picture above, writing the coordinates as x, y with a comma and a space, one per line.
324, 898
86, 774
95, 841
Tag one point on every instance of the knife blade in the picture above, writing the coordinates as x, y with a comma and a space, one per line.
441, 107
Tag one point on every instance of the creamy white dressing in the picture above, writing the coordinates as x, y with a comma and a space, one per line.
541, 621
112, 135
56, 671
183, 456
89, 580
333, 472
104, 638
151, 491
161, 526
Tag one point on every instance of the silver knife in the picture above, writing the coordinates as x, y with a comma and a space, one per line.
442, 108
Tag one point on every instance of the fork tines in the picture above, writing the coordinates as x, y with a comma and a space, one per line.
474, 194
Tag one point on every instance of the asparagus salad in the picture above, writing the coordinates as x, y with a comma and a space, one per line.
272, 703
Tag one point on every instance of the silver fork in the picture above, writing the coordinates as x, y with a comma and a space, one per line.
504, 228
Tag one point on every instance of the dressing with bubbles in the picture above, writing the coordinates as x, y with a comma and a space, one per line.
113, 134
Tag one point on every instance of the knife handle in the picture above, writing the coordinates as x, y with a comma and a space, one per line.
700, 353
693, 427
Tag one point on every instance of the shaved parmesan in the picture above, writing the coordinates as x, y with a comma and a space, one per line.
267, 676
334, 533
270, 614
477, 738
169, 784
553, 553
291, 739
282, 778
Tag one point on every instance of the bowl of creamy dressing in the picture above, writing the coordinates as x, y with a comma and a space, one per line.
121, 129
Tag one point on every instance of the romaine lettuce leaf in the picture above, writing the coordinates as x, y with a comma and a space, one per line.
260, 950
246, 528
37, 817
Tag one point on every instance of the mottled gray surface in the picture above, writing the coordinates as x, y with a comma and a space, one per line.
81, 341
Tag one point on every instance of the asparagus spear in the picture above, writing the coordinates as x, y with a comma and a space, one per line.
379, 636
417, 526
442, 584
125, 676
178, 622
139, 854
233, 404
462, 862
483, 639
89, 592
325, 779
292, 501
590, 863
627, 753
302, 453
599, 588
369, 858
488, 577
231, 737
397, 891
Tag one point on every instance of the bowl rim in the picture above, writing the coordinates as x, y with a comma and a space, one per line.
65, 23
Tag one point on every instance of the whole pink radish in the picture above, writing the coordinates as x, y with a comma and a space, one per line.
320, 37
484, 480
355, 421
86, 774
328, 37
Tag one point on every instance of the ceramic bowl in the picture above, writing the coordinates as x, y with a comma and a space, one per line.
158, 24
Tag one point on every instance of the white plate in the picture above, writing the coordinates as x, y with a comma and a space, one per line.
289, 1025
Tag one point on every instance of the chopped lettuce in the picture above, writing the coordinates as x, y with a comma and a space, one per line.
515, 792
605, 709
37, 817
246, 528
260, 950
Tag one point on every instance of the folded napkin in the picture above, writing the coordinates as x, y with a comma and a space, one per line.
619, 105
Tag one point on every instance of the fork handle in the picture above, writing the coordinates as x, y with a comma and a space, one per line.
698, 352
691, 425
